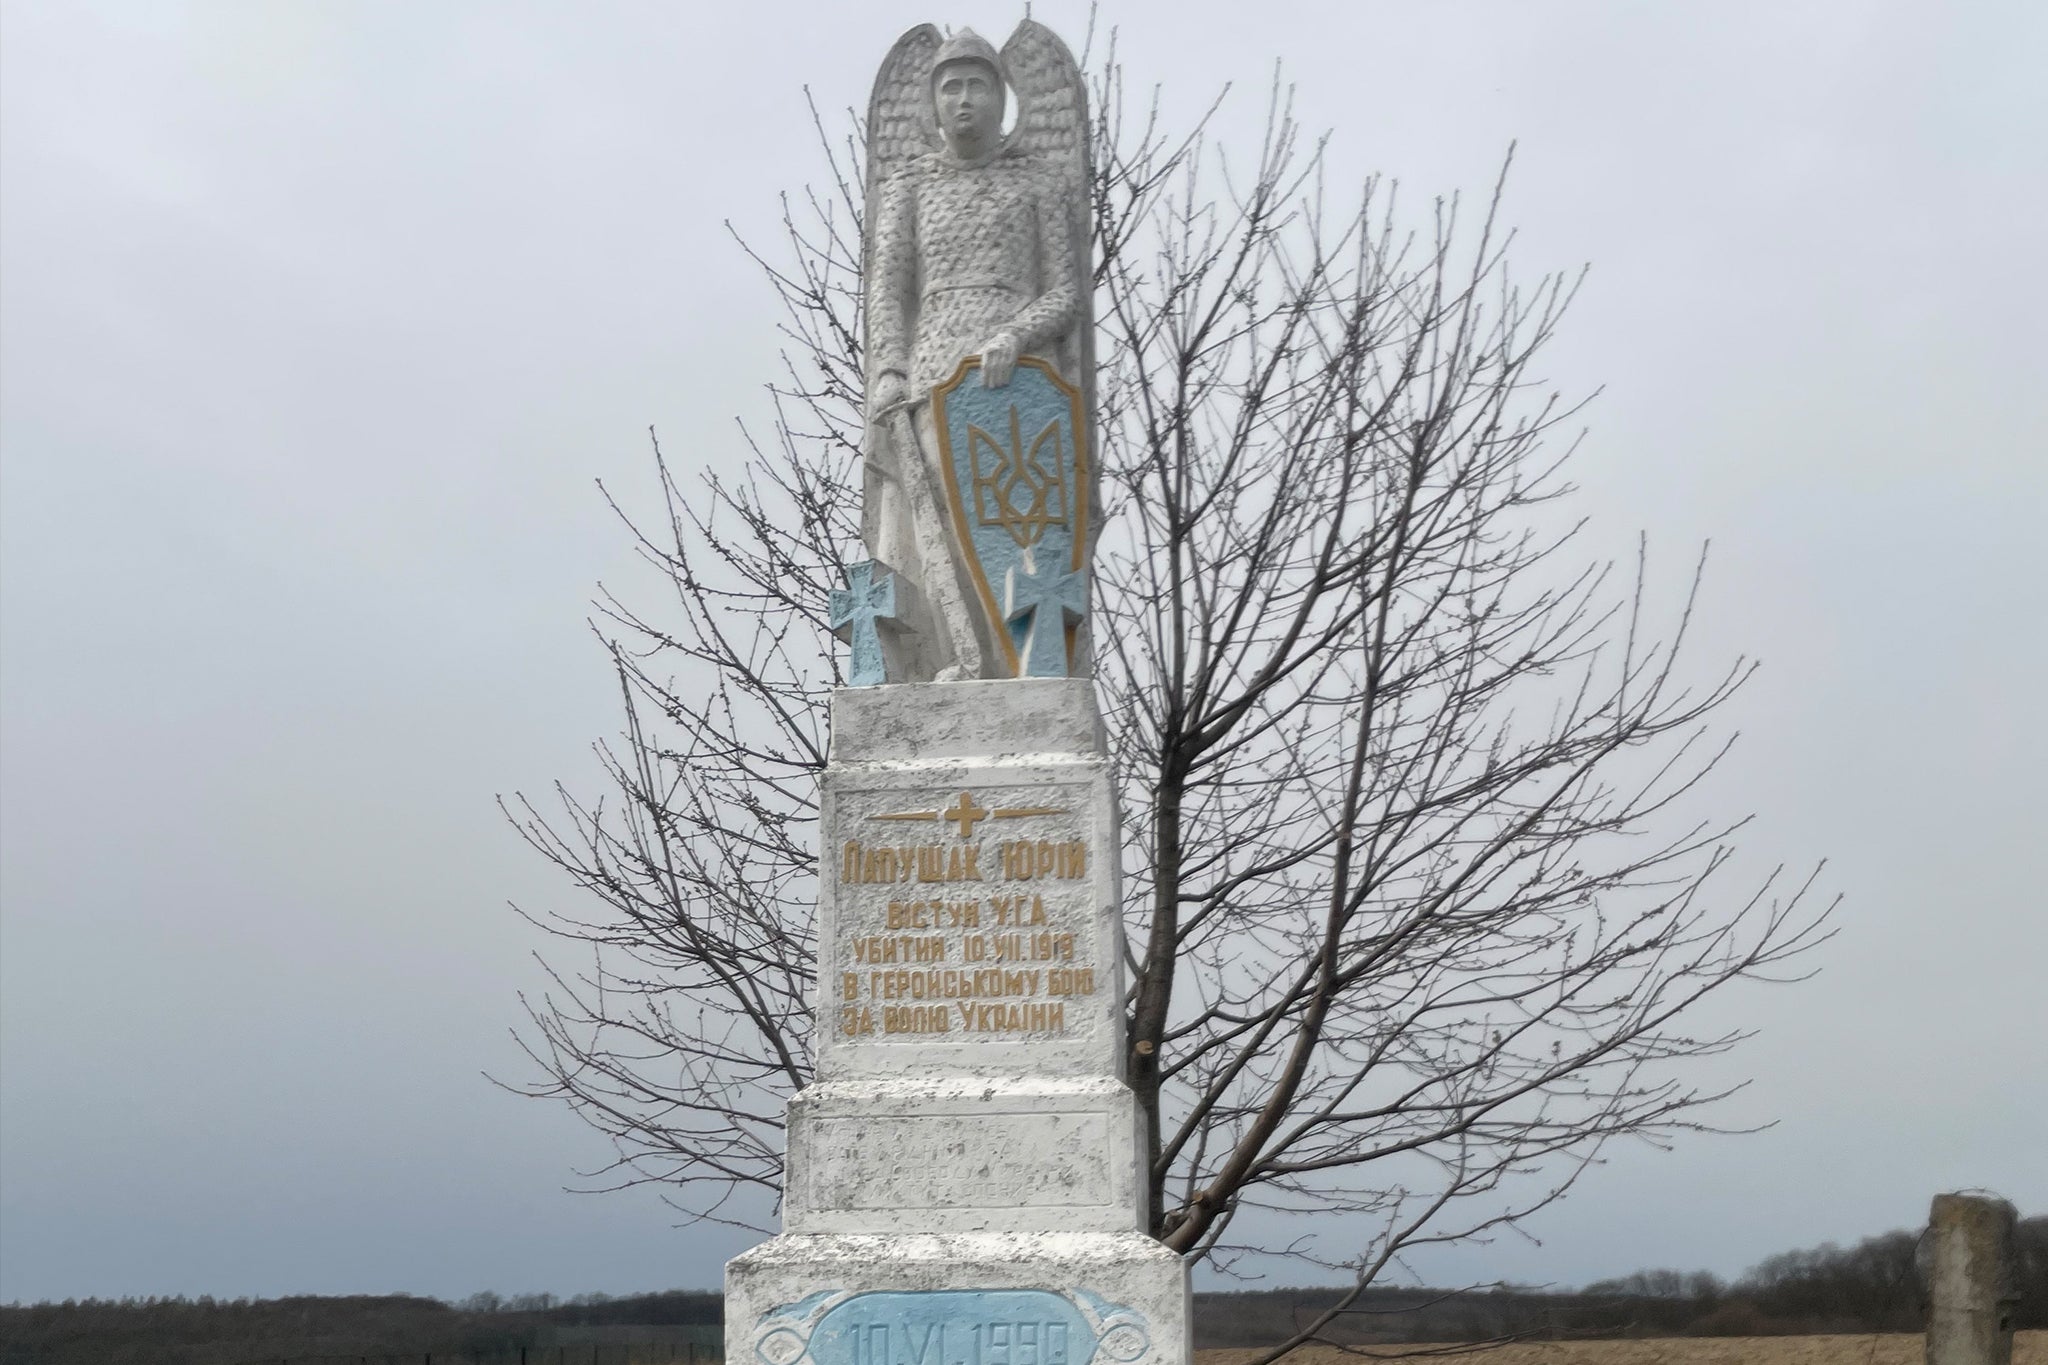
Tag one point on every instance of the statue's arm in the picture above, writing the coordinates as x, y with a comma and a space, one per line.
890, 300
1057, 308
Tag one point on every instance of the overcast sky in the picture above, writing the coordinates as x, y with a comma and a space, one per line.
321, 319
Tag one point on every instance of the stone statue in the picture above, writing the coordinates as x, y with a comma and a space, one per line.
977, 285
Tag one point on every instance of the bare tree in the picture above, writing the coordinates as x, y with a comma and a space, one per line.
1416, 915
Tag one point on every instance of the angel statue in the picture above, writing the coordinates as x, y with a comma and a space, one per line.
979, 488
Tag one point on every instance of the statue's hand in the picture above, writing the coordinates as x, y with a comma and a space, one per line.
998, 358
891, 389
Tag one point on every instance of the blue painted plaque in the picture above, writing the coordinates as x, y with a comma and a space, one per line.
953, 1327
1015, 464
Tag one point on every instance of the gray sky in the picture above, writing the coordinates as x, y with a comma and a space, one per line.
318, 321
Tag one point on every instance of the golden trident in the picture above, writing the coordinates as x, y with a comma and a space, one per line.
1019, 470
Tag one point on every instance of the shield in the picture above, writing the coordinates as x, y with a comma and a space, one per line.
1015, 465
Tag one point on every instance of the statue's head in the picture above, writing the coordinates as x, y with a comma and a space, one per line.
968, 93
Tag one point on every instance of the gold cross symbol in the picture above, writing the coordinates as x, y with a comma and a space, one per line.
966, 815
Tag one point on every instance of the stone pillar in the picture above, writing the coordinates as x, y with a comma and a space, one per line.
1971, 1280
964, 1179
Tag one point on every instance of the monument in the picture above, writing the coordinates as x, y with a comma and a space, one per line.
964, 1176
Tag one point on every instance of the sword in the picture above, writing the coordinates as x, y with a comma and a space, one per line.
935, 547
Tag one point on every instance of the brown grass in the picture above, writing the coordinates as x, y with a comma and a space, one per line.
1891, 1349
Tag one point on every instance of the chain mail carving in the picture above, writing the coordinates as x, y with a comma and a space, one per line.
959, 251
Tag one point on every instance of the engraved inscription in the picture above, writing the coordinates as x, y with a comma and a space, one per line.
983, 932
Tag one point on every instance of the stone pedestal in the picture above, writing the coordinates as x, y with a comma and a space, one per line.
963, 1176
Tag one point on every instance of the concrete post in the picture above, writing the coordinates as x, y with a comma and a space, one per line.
1971, 1280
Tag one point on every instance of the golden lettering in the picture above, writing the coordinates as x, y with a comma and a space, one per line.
859, 863
915, 1019
902, 983
1044, 946
1070, 981
1018, 910
878, 950
1027, 859
1033, 1017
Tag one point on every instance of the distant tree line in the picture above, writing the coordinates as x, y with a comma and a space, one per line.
676, 1307
1873, 1286
209, 1331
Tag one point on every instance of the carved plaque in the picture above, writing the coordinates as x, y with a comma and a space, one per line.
963, 914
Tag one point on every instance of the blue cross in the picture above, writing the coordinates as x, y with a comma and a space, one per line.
854, 611
1047, 599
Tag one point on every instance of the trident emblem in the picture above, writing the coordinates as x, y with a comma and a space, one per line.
1015, 466
1017, 491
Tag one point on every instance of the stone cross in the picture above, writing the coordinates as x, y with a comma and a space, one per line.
1048, 599
856, 613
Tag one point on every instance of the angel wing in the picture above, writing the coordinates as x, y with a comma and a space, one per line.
1052, 129
900, 124
900, 128
1052, 100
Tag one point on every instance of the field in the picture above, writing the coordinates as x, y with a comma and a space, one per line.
1900, 1349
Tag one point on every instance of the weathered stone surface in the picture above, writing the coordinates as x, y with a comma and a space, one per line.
1023, 1155
968, 720
1970, 1280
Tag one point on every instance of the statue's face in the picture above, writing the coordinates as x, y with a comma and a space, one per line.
969, 102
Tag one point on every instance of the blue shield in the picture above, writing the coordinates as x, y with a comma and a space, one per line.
1015, 465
